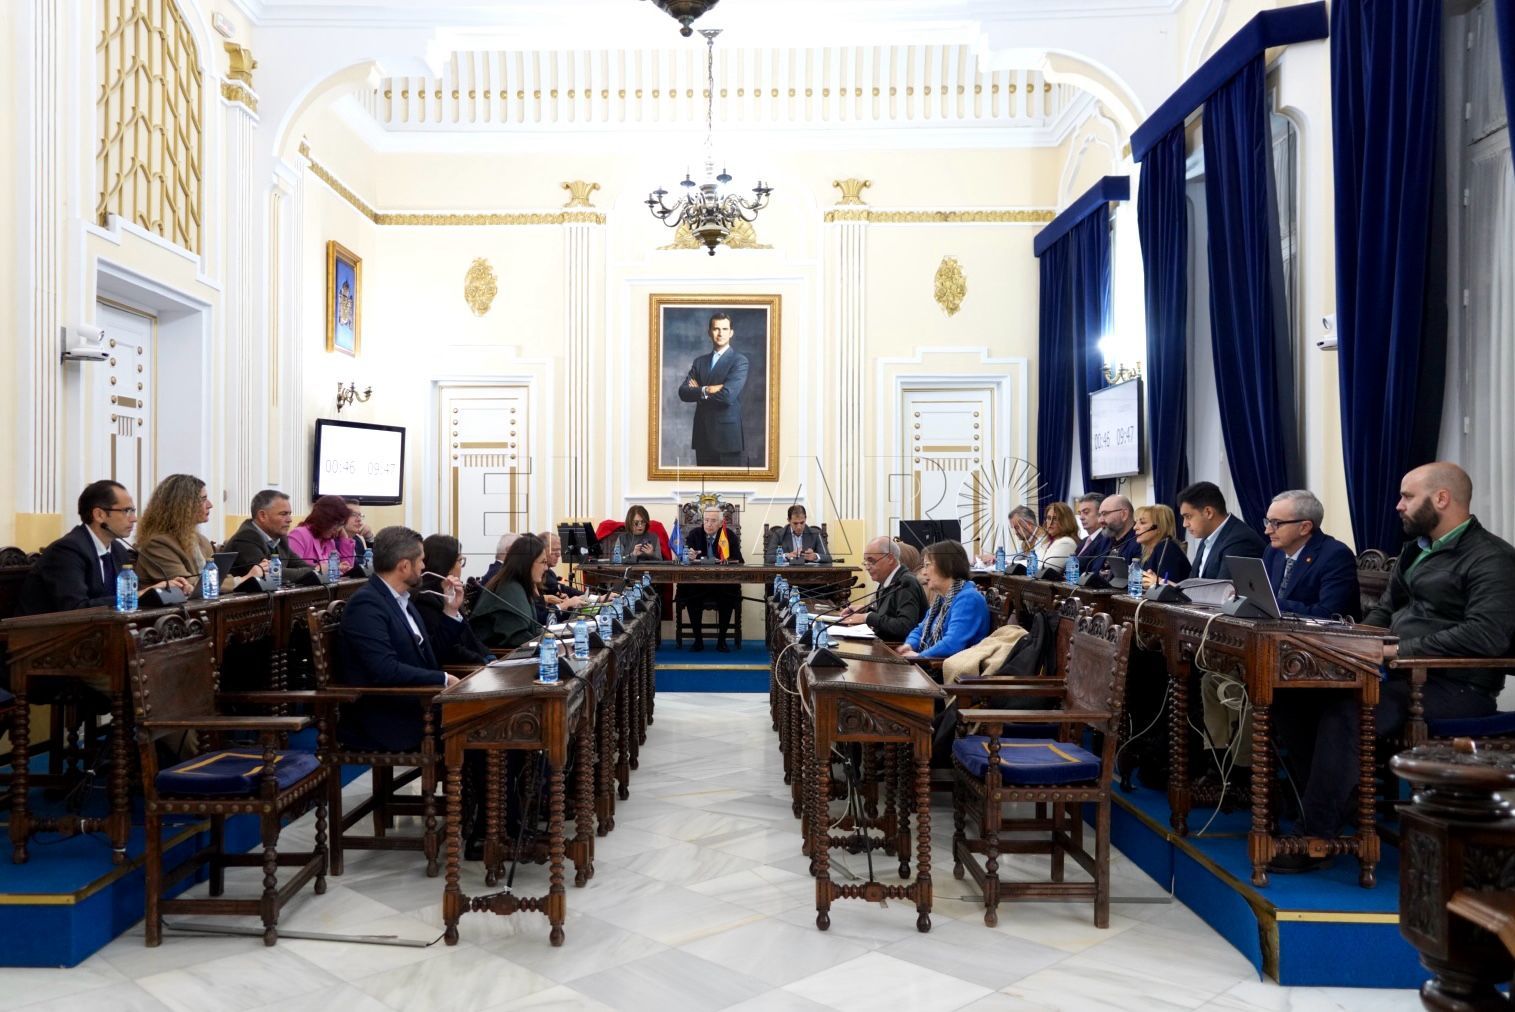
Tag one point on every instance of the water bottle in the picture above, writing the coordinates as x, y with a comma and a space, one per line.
647, 582
780, 588
794, 598
999, 559
210, 581
547, 660
820, 639
779, 558
368, 560
1033, 564
603, 620
801, 622
333, 567
1070, 571
1134, 580
581, 640
126, 590
275, 572
615, 556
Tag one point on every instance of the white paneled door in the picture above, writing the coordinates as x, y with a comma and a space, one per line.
488, 474
950, 453
119, 406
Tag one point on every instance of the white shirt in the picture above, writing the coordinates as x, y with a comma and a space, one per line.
892, 574
404, 600
1204, 549
101, 551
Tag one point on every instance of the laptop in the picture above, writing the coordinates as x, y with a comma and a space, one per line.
1250, 578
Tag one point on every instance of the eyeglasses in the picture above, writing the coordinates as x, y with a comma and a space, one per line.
873, 560
1115, 512
1269, 524
130, 511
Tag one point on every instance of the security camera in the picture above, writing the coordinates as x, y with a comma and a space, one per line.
84, 344
1327, 340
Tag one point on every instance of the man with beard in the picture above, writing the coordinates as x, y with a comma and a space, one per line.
384, 644
1452, 595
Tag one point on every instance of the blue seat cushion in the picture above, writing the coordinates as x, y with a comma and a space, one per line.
1495, 725
232, 772
1029, 761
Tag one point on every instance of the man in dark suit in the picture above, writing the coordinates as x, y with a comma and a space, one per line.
1311, 572
712, 541
384, 644
797, 540
263, 536
899, 604
714, 385
1202, 507
1087, 507
79, 570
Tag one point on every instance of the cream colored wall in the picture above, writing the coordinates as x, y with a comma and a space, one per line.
12, 347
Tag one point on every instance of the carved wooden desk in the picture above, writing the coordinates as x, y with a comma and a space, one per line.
88, 647
883, 701
503, 708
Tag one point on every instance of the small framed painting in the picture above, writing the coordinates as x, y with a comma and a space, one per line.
344, 299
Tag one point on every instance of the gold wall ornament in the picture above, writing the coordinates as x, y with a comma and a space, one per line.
852, 189
579, 191
239, 63
235, 91
148, 161
743, 236
951, 285
480, 286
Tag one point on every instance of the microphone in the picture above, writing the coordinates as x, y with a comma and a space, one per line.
823, 657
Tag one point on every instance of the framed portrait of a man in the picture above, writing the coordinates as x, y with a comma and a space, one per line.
344, 299
713, 407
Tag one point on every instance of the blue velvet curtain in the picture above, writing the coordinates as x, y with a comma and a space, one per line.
1054, 415
1162, 215
1089, 253
1390, 294
1504, 24
1248, 323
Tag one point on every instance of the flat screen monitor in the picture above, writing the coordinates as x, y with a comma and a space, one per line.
921, 533
1115, 430
358, 460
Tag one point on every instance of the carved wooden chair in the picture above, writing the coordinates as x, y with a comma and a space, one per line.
173, 681
690, 517
993, 770
772, 533
1374, 570
385, 802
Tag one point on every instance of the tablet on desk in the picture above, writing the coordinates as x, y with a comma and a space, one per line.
224, 561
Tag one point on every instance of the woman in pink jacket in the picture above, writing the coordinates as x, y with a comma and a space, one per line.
321, 533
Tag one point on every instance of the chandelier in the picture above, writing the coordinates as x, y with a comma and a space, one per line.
685, 12
709, 213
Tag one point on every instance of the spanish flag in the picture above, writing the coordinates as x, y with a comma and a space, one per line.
722, 546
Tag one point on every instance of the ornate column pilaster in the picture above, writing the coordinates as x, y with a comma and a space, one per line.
285, 364
582, 268
847, 239
245, 397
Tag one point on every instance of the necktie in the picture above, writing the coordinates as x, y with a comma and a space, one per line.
1288, 569
108, 571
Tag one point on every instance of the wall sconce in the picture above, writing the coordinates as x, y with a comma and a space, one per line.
1121, 372
349, 395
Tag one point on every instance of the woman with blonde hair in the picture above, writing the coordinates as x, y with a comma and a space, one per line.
169, 546
1163, 559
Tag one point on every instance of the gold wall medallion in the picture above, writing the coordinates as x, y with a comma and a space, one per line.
480, 286
578, 192
852, 189
951, 285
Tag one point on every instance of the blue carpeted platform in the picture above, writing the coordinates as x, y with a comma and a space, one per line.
68, 901
745, 669
1319, 930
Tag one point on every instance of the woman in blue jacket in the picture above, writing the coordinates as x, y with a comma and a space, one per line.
959, 616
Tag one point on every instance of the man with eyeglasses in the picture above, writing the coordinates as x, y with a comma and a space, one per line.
899, 604
79, 570
265, 534
1311, 572
1117, 535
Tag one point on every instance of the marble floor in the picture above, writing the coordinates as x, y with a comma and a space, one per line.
700, 901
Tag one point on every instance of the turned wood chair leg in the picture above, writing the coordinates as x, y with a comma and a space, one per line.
269, 901
154, 923
1059, 814
1102, 864
334, 811
218, 855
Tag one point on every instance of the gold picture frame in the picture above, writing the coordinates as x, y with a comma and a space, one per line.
685, 433
344, 299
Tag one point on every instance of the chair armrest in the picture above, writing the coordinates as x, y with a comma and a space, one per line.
1051, 688
1412, 663
932, 663
228, 724
1034, 716
1491, 910
391, 691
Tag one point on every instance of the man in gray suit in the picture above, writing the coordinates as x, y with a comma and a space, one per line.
899, 604
264, 535
714, 386
798, 541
